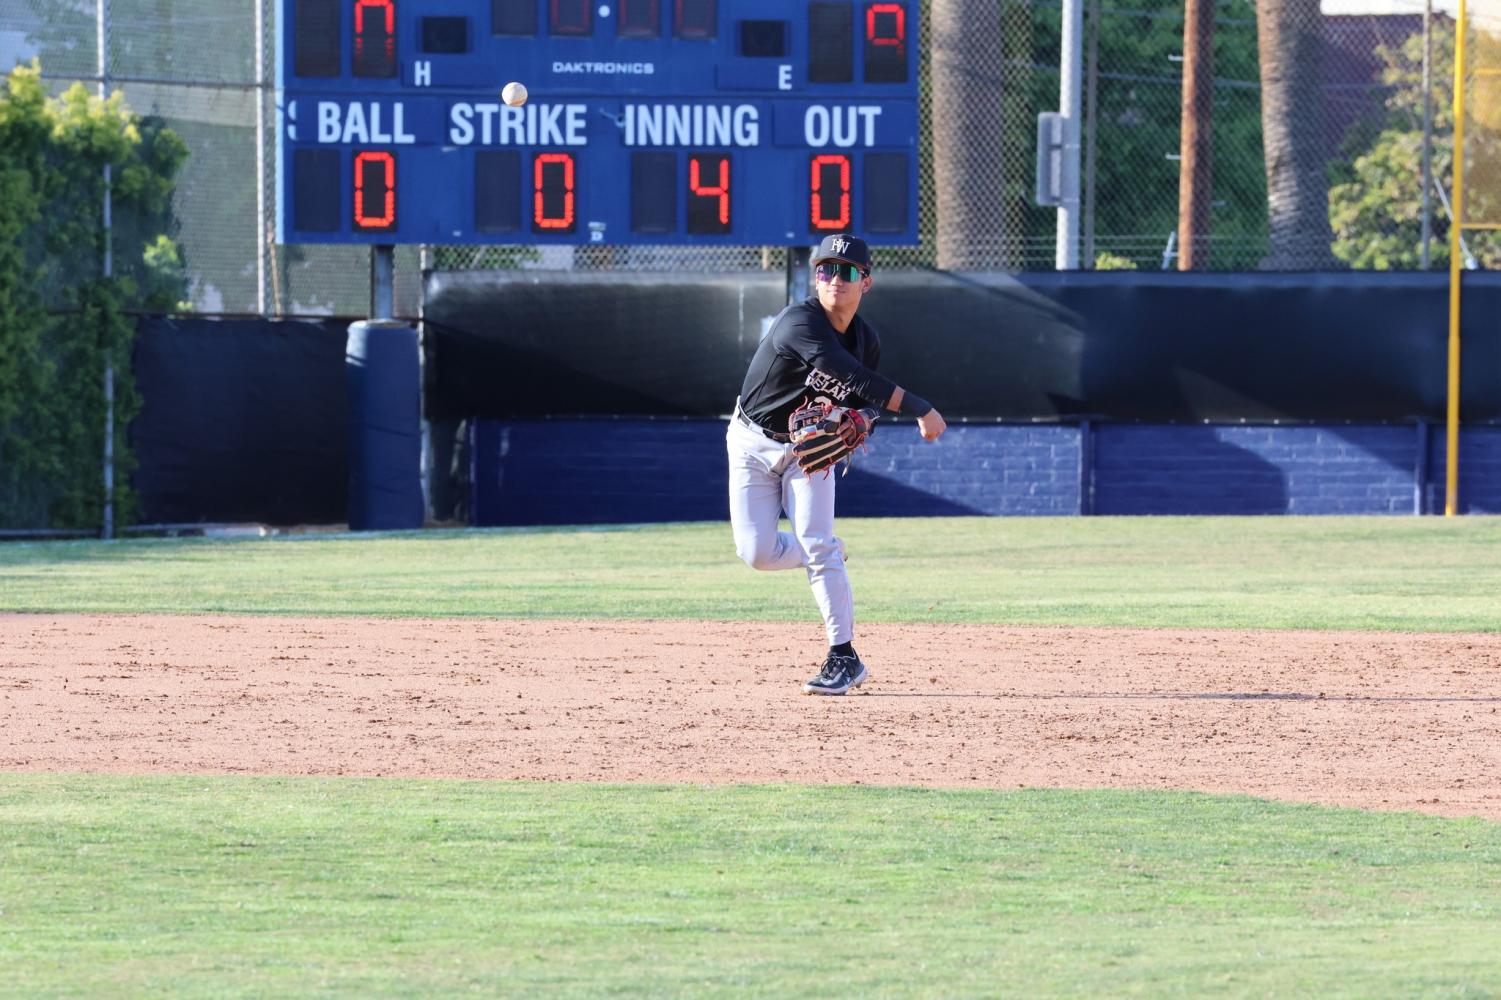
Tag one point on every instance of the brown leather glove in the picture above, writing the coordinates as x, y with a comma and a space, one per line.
824, 434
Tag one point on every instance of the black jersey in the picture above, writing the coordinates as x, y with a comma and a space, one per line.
803, 356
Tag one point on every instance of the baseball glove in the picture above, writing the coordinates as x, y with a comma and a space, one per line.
824, 434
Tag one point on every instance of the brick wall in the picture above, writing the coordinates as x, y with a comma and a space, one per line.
603, 471
598, 471
1479, 470
1204, 469
972, 469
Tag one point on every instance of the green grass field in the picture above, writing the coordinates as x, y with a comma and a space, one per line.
215, 887
114, 885
1424, 574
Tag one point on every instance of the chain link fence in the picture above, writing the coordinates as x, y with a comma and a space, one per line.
1352, 142
1480, 233
194, 64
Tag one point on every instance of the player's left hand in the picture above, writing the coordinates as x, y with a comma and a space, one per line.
823, 434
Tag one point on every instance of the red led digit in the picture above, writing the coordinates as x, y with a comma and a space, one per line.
374, 38
829, 192
374, 191
897, 25
389, 8
721, 188
552, 193
885, 42
708, 203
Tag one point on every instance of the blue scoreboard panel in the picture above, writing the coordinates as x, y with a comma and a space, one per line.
746, 122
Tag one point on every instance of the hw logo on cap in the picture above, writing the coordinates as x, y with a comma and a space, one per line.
843, 246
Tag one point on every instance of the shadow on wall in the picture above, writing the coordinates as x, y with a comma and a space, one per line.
1034, 346
1181, 350
506, 345
1208, 393
979, 345
1184, 470
1223, 348
864, 493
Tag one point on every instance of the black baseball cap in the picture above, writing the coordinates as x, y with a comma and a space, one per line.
843, 246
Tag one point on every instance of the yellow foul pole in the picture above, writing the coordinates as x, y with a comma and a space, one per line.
1456, 223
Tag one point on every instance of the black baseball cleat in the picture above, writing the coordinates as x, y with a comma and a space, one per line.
839, 674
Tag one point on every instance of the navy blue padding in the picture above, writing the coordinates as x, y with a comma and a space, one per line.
590, 471
598, 471
385, 443
241, 420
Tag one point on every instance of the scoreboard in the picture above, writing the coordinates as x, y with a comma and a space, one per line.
744, 122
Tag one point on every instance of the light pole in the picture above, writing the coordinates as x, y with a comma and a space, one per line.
1070, 72
107, 529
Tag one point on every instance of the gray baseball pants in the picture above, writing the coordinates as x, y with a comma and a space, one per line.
765, 480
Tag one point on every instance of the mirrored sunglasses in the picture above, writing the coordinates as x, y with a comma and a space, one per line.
828, 270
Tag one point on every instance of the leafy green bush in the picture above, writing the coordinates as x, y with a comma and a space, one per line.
1107, 261
62, 321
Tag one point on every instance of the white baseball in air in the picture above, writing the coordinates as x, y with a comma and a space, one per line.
514, 94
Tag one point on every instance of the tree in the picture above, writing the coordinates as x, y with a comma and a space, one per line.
1376, 201
24, 369
52, 157
1138, 121
1297, 190
968, 133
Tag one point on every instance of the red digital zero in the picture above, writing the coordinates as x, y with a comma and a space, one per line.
374, 190
829, 192
553, 193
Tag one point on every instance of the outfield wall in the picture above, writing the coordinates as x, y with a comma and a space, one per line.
623, 471
241, 420
600, 397
1147, 347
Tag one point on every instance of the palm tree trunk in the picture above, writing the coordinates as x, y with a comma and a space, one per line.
969, 135
1297, 189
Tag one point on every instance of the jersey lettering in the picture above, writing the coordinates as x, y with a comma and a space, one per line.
825, 383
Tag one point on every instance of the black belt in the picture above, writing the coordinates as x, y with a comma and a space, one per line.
747, 421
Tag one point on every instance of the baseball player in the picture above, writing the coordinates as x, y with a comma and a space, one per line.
808, 400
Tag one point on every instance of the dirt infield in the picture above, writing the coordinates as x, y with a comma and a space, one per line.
1378, 720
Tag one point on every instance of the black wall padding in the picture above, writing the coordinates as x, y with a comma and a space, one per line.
1151, 346
241, 420
385, 426
507, 344
1160, 346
